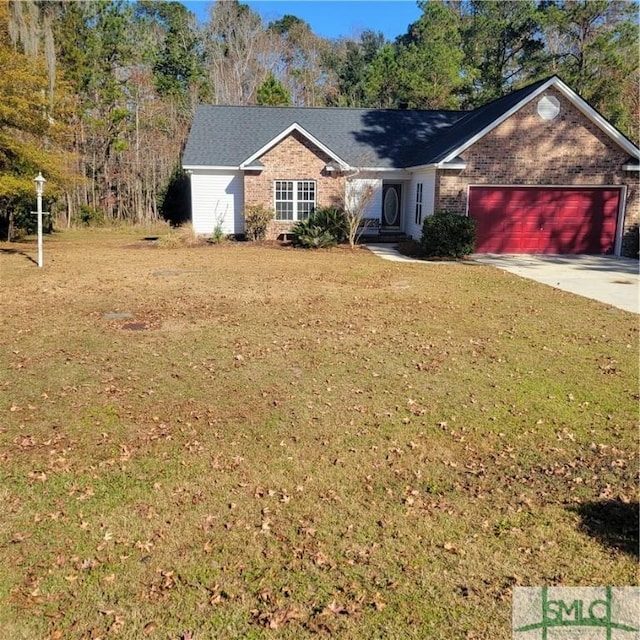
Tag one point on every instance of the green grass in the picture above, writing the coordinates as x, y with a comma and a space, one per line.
282, 443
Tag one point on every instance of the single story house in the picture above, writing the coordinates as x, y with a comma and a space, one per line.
539, 169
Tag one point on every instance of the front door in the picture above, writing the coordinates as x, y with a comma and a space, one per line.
391, 206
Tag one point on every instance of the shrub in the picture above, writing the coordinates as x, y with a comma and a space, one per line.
332, 220
175, 198
182, 236
310, 236
89, 216
631, 242
218, 236
447, 235
256, 220
325, 227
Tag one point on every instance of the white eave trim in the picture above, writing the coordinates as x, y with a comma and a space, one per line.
451, 165
574, 98
282, 135
422, 167
380, 173
631, 167
208, 167
364, 172
377, 169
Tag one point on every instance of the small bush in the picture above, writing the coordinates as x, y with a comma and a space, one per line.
332, 220
89, 216
183, 236
325, 227
447, 235
218, 236
310, 236
631, 242
256, 220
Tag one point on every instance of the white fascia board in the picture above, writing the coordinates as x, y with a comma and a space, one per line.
422, 167
364, 173
574, 98
282, 135
631, 167
208, 167
378, 169
451, 165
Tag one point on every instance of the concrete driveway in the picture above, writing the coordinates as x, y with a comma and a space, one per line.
609, 279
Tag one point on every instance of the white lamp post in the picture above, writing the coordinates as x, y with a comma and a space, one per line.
39, 180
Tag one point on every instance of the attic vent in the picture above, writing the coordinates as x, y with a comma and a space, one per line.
548, 107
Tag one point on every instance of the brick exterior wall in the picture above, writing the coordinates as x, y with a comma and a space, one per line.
294, 158
526, 150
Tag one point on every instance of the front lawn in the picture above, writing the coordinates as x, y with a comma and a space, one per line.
239, 441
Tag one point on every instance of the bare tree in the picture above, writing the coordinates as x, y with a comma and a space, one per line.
359, 194
240, 52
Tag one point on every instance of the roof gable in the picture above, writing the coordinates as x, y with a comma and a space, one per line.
251, 160
478, 123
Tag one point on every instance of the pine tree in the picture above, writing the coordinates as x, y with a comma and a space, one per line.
272, 92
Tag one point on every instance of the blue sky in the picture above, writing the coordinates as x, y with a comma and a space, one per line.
333, 18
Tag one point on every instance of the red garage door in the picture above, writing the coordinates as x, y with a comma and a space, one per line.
544, 219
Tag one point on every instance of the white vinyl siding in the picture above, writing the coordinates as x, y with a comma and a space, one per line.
427, 178
294, 199
358, 186
217, 197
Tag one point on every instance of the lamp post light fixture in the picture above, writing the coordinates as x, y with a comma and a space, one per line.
39, 180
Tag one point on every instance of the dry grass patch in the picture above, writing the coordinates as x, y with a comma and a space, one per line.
239, 441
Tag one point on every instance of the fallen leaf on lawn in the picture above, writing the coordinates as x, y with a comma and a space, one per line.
20, 537
144, 546
116, 625
336, 609
150, 627
277, 619
378, 602
452, 548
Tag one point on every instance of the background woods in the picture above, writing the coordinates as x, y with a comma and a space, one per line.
99, 95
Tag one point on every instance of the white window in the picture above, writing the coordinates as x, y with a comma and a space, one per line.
419, 203
294, 199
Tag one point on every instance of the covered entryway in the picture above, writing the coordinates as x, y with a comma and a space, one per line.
558, 220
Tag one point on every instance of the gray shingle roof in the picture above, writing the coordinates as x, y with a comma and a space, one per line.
226, 136
383, 138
